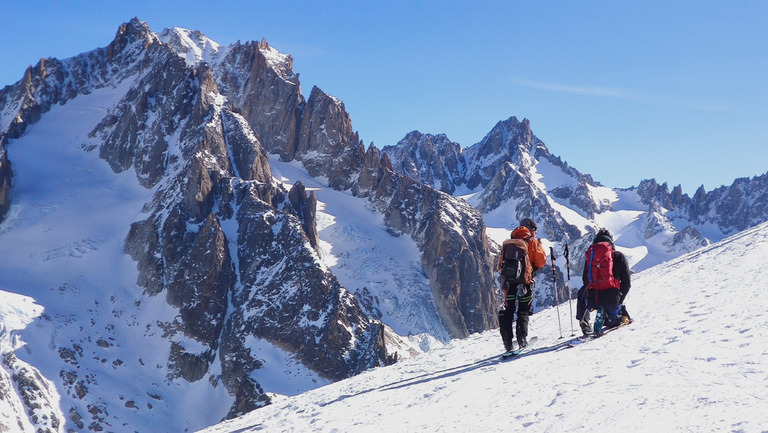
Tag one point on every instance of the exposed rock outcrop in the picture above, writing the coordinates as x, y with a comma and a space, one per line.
6, 173
430, 159
260, 82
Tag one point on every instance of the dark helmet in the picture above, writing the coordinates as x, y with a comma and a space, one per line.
603, 235
527, 222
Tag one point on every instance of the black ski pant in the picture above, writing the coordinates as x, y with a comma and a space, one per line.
581, 304
521, 298
506, 320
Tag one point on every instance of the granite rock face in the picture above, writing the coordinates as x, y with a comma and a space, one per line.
451, 235
430, 159
6, 174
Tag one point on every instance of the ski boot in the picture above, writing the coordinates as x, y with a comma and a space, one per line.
521, 343
586, 328
599, 321
612, 321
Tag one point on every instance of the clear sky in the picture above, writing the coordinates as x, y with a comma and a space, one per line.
622, 90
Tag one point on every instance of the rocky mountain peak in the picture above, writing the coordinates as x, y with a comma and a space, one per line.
510, 141
133, 32
327, 144
191, 45
431, 159
649, 190
281, 63
266, 92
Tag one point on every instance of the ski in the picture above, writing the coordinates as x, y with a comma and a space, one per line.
589, 337
520, 350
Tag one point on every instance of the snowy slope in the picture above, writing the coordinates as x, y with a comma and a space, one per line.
696, 359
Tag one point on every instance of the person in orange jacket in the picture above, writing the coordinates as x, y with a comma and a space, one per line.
518, 287
538, 256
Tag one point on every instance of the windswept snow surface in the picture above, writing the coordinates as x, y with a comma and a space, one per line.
695, 359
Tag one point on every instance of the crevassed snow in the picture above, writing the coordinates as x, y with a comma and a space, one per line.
694, 360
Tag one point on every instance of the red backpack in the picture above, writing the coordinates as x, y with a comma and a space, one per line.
600, 267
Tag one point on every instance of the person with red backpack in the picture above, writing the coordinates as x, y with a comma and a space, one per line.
521, 256
606, 283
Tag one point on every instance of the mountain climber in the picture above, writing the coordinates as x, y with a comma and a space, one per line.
606, 283
521, 256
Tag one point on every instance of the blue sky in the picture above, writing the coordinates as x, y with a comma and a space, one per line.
624, 91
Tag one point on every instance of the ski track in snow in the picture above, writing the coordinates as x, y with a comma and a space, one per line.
695, 359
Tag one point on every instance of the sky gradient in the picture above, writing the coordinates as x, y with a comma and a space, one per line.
624, 91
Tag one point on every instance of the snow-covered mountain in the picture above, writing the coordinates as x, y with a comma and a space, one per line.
174, 268
185, 236
693, 360
510, 174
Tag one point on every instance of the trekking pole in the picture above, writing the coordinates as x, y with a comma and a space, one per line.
557, 298
570, 286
